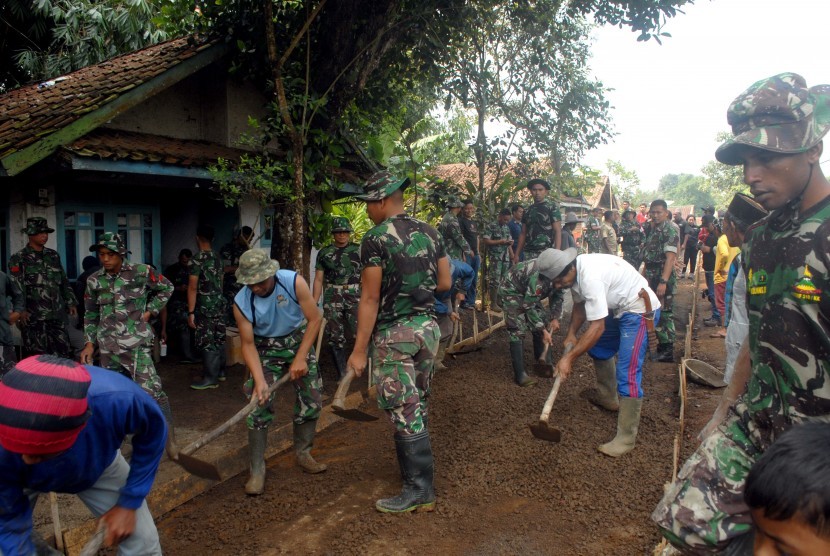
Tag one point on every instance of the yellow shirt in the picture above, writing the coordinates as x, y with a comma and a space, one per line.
723, 258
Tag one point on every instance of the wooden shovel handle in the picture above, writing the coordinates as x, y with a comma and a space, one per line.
342, 390
554, 391
218, 431
543, 355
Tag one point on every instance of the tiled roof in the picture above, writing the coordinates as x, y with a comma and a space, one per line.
34, 111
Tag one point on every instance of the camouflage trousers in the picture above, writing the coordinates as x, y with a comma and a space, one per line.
633, 258
594, 243
704, 510
519, 318
210, 331
46, 336
136, 364
340, 309
665, 328
276, 355
531, 253
499, 265
403, 357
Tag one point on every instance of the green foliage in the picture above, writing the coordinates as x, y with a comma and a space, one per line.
722, 181
683, 189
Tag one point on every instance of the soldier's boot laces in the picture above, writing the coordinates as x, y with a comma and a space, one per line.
517, 358
605, 395
303, 442
257, 440
417, 469
628, 422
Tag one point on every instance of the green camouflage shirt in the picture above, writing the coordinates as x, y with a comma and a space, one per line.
207, 266
43, 283
497, 231
592, 236
115, 304
407, 252
457, 247
660, 240
340, 265
525, 288
539, 219
229, 255
788, 301
632, 236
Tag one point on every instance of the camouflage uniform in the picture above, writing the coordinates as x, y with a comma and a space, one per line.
539, 219
593, 237
406, 335
521, 297
9, 291
179, 275
113, 320
229, 254
632, 239
662, 240
499, 260
48, 295
210, 303
457, 246
341, 269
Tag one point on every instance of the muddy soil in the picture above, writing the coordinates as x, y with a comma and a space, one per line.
500, 490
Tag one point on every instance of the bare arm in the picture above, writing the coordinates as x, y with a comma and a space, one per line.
318, 285
444, 275
192, 284
557, 234
521, 244
250, 355
299, 367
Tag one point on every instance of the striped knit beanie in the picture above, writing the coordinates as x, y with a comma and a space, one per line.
43, 405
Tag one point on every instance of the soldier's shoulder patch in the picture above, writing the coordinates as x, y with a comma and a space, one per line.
757, 282
14, 269
805, 289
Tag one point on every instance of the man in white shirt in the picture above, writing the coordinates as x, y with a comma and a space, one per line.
616, 301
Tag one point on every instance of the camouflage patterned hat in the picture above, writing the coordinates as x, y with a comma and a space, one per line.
255, 265
111, 241
778, 114
380, 185
340, 224
534, 181
454, 202
36, 225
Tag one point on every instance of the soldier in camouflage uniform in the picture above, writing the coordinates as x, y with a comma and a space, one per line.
778, 125
404, 265
659, 253
541, 223
521, 295
179, 275
278, 322
9, 315
498, 241
593, 231
338, 269
119, 302
230, 253
206, 309
40, 275
632, 238
450, 228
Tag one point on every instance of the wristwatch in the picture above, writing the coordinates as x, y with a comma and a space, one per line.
662, 281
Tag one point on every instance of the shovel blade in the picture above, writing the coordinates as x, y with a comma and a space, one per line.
544, 370
543, 431
198, 467
353, 414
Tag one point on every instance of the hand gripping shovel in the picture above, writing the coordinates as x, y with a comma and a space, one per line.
542, 429
338, 404
208, 470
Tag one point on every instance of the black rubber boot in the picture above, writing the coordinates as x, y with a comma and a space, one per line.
257, 441
186, 347
517, 358
339, 356
538, 344
417, 471
665, 353
303, 441
211, 361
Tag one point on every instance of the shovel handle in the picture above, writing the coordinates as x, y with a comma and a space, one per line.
553, 391
221, 429
543, 355
93, 545
340, 396
320, 338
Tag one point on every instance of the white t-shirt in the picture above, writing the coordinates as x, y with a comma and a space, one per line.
608, 283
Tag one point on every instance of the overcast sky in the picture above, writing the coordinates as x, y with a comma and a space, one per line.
670, 100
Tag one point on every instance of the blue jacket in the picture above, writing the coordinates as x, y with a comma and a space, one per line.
462, 279
118, 407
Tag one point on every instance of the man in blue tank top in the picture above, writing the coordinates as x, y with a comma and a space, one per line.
278, 322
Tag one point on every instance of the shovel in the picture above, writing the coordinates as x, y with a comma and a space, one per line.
338, 405
541, 367
206, 469
542, 429
93, 545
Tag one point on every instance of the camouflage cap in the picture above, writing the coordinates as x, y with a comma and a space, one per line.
255, 265
629, 210
454, 202
778, 114
36, 225
380, 185
534, 181
111, 241
341, 224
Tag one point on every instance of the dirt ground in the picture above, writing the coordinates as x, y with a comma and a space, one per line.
500, 490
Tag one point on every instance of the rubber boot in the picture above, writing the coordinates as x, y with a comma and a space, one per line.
211, 361
665, 353
339, 356
439, 357
494, 300
257, 441
186, 347
628, 421
517, 358
538, 344
223, 363
606, 393
303, 441
171, 447
417, 470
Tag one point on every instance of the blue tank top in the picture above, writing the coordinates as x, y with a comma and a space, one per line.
278, 314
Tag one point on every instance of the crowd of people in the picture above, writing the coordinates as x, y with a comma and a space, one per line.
393, 299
